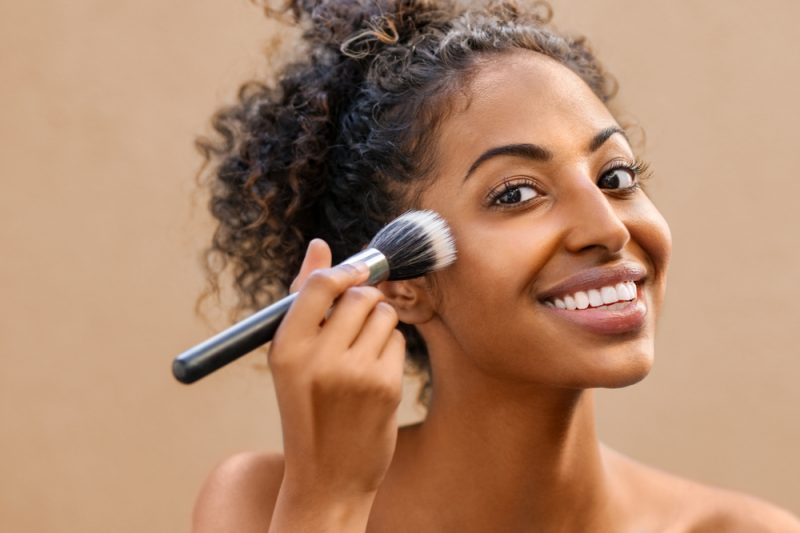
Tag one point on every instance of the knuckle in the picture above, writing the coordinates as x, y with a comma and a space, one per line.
387, 312
388, 390
278, 361
378, 389
356, 295
363, 295
322, 280
281, 359
398, 339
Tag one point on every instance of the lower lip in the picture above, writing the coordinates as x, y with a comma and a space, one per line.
627, 319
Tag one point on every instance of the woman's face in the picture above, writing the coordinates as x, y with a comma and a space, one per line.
534, 176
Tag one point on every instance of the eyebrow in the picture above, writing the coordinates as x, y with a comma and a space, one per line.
534, 152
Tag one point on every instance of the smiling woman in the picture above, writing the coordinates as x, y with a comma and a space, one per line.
500, 124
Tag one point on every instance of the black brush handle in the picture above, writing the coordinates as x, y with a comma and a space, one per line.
236, 341
256, 330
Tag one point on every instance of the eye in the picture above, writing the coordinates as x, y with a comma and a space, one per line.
618, 178
513, 193
624, 177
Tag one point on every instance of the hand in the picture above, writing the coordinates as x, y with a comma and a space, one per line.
338, 377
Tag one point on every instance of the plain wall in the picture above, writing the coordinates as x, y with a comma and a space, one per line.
102, 226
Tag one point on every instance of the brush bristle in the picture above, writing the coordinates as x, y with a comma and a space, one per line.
415, 243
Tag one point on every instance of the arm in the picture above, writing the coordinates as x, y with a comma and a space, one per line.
243, 494
301, 512
338, 379
239, 495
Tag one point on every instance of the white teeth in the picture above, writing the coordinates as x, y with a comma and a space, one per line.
595, 300
581, 300
630, 287
608, 295
622, 291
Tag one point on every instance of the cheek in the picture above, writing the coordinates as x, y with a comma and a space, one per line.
651, 232
485, 291
493, 255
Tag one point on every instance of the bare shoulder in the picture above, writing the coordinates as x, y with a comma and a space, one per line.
682, 505
737, 512
239, 494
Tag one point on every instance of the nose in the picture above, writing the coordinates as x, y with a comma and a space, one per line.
593, 220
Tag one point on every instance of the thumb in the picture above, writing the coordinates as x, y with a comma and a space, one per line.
318, 255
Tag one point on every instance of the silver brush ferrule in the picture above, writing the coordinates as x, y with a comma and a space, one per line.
375, 260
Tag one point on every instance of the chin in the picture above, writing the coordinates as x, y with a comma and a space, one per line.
616, 371
632, 370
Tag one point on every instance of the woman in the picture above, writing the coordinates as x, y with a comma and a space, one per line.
501, 125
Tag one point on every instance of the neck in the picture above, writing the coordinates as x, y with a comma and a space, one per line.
492, 457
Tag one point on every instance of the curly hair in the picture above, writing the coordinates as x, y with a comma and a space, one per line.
343, 141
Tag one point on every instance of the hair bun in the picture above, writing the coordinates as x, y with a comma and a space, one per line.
332, 24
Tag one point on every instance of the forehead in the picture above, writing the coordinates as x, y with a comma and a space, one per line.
521, 97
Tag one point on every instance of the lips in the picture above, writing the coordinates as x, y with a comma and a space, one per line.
595, 279
607, 295
606, 314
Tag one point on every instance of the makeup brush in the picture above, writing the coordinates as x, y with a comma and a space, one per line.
410, 246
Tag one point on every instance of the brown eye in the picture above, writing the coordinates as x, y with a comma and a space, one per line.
512, 194
618, 178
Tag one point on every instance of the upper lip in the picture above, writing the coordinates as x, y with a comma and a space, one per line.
595, 278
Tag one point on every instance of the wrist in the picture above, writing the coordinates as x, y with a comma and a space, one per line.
315, 509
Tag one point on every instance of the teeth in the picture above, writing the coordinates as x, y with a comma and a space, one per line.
621, 292
595, 300
581, 300
609, 295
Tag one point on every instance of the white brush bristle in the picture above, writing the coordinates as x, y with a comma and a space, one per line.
434, 226
415, 243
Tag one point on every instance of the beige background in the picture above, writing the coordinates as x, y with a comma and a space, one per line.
99, 242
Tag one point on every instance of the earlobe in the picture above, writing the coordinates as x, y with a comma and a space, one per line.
411, 299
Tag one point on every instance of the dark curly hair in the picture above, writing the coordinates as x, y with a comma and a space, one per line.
343, 141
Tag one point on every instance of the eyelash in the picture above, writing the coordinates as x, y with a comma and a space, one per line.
639, 168
641, 172
508, 186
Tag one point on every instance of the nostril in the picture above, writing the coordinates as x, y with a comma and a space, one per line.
596, 226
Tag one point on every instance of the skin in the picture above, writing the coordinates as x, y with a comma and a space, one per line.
509, 443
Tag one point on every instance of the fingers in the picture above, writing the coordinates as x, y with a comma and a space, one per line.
382, 348
317, 256
359, 326
351, 314
316, 296
376, 331
393, 357
391, 365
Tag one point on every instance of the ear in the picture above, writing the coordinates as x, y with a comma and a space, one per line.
411, 298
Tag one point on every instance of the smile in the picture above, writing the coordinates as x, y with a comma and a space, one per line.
608, 310
606, 296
